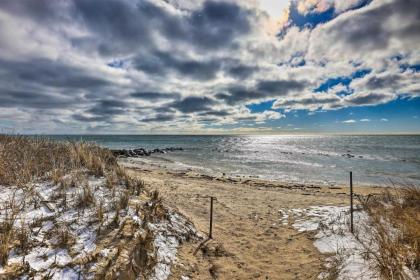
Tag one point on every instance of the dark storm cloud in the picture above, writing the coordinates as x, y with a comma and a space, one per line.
217, 24
367, 31
369, 99
263, 90
109, 107
83, 118
236, 94
215, 113
164, 109
121, 26
162, 63
124, 26
280, 87
103, 111
117, 26
241, 71
312, 100
38, 10
159, 118
151, 95
375, 82
214, 26
34, 99
193, 104
49, 73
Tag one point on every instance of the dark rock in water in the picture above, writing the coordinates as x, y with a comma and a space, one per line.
174, 149
158, 151
143, 152
348, 155
140, 152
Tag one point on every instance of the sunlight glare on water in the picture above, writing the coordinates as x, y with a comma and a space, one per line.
293, 158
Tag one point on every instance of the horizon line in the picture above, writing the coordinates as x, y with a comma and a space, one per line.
221, 134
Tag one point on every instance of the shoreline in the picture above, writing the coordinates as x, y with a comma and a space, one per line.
251, 240
196, 171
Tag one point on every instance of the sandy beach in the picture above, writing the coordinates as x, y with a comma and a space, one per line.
250, 242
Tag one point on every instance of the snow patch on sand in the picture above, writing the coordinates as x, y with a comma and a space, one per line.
167, 245
333, 236
42, 211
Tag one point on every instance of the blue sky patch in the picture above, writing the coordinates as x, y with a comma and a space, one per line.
345, 81
313, 18
117, 63
402, 115
414, 68
260, 107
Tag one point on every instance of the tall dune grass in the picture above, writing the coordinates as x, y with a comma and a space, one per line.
395, 227
24, 159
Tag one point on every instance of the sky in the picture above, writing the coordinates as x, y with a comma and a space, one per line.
209, 66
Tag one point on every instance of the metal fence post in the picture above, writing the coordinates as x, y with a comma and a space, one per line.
351, 202
211, 218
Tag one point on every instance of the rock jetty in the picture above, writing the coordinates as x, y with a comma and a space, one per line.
140, 152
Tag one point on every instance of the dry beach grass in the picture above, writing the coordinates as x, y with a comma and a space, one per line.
395, 225
24, 159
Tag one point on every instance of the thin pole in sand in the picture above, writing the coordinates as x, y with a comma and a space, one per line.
351, 202
211, 218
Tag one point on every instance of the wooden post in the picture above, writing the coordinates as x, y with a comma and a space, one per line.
211, 218
351, 202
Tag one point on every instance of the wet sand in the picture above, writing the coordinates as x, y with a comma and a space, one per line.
249, 240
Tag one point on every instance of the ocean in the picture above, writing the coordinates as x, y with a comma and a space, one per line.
320, 159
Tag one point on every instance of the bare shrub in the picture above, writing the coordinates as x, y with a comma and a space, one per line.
56, 176
7, 228
120, 172
100, 212
22, 238
62, 237
116, 219
111, 180
123, 199
136, 186
156, 210
85, 198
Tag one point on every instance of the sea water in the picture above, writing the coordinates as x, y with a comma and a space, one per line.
375, 159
